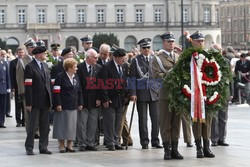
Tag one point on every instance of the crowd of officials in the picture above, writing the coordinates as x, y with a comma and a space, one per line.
84, 99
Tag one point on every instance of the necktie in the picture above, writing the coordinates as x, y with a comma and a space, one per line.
42, 70
120, 71
89, 70
147, 59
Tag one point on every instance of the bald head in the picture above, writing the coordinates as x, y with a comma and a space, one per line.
91, 57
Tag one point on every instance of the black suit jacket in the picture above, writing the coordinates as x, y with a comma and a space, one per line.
56, 69
117, 94
89, 95
37, 86
244, 68
69, 96
13, 81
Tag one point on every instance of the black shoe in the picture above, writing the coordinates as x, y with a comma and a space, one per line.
2, 126
23, 125
214, 144
70, 150
222, 143
18, 125
156, 146
144, 147
82, 148
91, 148
118, 147
129, 144
37, 136
45, 152
111, 148
30, 152
62, 151
189, 144
9, 116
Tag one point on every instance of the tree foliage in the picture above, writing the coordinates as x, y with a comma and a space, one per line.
109, 39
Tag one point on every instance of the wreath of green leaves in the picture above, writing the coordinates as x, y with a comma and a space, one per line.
180, 75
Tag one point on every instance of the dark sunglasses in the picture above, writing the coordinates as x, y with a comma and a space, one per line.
146, 47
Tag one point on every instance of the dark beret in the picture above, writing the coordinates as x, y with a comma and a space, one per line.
39, 49
243, 55
119, 52
66, 51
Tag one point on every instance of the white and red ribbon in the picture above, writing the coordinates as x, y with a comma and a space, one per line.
28, 82
57, 89
197, 99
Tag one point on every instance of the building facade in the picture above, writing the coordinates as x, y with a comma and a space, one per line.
235, 23
66, 21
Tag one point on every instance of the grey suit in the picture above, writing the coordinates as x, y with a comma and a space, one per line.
141, 71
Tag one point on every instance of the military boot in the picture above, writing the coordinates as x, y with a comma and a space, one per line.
174, 152
167, 150
207, 152
199, 151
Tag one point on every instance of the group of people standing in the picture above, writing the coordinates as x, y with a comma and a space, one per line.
79, 94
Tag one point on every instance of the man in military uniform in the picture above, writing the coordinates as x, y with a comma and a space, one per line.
87, 42
55, 50
169, 120
144, 95
201, 130
4, 89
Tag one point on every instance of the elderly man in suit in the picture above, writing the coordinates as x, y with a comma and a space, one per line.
87, 118
169, 120
15, 73
113, 95
144, 95
4, 89
38, 100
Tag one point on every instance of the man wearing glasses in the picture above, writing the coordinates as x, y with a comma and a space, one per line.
86, 42
169, 121
144, 95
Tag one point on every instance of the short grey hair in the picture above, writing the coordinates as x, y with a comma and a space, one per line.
90, 52
104, 47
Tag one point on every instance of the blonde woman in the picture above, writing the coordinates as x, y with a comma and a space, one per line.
67, 100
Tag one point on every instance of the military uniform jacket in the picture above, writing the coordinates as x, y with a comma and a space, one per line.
89, 95
37, 86
66, 94
4, 77
116, 95
167, 63
240, 67
143, 89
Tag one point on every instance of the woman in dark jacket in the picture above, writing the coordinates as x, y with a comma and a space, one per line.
67, 100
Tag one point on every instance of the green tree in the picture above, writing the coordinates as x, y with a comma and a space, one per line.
109, 39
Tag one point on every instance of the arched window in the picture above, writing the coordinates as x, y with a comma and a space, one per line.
208, 41
157, 43
72, 41
12, 43
129, 42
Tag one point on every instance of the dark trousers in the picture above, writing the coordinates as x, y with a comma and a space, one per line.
143, 119
112, 118
3, 98
219, 125
41, 116
19, 108
8, 104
